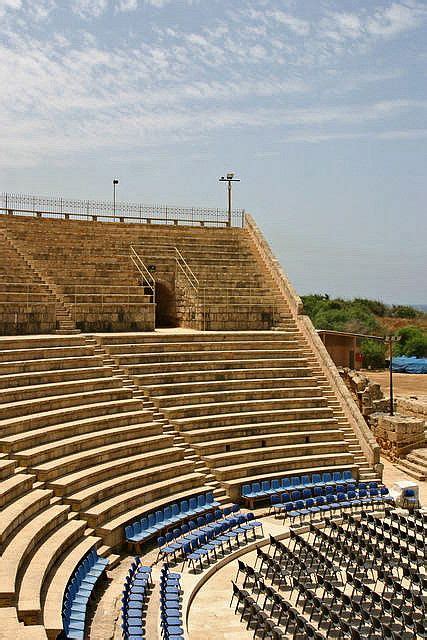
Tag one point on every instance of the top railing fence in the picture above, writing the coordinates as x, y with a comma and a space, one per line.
105, 211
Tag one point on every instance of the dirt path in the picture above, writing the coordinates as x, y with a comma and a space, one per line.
404, 384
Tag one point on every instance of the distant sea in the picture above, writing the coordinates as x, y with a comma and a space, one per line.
420, 307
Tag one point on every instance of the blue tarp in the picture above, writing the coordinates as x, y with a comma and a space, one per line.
403, 364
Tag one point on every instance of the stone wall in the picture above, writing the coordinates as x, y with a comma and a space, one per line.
397, 435
416, 407
368, 395
27, 320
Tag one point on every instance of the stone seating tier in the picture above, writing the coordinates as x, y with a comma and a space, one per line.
237, 427
88, 266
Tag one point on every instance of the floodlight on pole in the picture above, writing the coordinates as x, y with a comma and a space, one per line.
115, 183
229, 178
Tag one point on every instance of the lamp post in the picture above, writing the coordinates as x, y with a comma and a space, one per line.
389, 340
229, 178
115, 183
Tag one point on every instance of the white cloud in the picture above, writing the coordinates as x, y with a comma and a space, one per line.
127, 5
75, 90
395, 19
5, 5
89, 8
297, 25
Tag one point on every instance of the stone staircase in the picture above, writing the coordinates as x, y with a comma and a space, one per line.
168, 429
63, 314
414, 464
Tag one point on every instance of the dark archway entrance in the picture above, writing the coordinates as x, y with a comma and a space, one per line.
165, 305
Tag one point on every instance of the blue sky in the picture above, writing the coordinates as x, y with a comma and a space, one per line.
319, 105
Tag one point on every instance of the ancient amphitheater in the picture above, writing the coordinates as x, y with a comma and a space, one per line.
158, 382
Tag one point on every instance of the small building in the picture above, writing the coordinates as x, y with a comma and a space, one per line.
343, 347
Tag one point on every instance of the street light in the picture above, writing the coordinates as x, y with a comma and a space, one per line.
389, 340
229, 179
115, 183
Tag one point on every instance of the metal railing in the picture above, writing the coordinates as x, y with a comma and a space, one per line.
186, 270
106, 211
147, 279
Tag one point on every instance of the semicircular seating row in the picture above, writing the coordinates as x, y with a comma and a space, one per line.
80, 458
247, 403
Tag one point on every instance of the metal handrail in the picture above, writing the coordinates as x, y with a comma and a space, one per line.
186, 269
148, 279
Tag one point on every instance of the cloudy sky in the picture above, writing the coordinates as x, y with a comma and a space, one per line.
319, 105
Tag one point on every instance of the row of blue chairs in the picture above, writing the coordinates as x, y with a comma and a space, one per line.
196, 545
310, 507
162, 519
78, 593
136, 591
261, 490
352, 492
171, 622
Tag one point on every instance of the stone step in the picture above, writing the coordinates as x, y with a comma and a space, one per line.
413, 469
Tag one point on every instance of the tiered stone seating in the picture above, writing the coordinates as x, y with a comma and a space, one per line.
26, 304
93, 272
35, 534
90, 265
232, 294
77, 429
245, 402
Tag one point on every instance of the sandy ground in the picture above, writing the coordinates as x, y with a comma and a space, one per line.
404, 384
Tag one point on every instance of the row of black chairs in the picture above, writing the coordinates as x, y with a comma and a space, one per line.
264, 626
355, 618
410, 602
370, 561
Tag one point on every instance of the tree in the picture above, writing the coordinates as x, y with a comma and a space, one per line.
404, 311
373, 353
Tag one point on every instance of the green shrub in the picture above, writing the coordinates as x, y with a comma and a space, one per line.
417, 346
413, 342
373, 352
376, 307
402, 311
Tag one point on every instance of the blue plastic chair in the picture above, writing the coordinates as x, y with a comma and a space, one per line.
337, 478
265, 487
294, 512
285, 483
201, 502
175, 512
210, 500
316, 479
296, 482
246, 490
255, 489
151, 523
192, 503
275, 505
183, 506
274, 487
322, 504
306, 482
327, 478
348, 475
